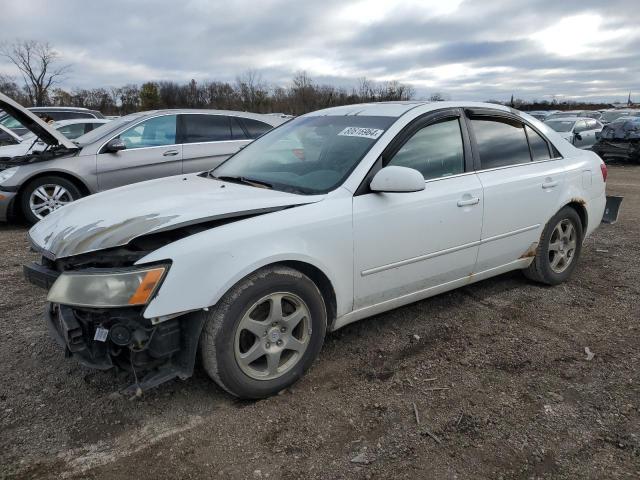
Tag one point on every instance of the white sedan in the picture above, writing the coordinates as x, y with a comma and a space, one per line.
333, 217
71, 129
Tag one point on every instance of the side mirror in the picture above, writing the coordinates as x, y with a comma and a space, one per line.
577, 136
114, 145
397, 179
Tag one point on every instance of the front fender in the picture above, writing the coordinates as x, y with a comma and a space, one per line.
206, 265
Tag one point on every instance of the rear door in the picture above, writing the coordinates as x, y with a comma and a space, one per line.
521, 178
208, 140
152, 152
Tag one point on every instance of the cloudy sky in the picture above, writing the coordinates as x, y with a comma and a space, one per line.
466, 49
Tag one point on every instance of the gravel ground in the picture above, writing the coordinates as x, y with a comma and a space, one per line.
497, 372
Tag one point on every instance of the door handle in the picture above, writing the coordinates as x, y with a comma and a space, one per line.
469, 201
170, 153
550, 184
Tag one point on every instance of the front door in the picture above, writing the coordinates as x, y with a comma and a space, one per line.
152, 152
407, 242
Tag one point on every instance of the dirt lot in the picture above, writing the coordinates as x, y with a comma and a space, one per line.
497, 371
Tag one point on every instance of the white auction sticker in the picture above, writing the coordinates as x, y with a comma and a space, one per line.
101, 334
361, 132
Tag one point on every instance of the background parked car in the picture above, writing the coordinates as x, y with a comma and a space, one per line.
71, 129
580, 131
8, 137
620, 140
54, 113
613, 115
138, 147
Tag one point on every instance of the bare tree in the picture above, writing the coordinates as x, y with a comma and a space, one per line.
36, 62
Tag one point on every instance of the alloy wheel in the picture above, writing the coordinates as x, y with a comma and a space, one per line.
562, 246
47, 198
272, 336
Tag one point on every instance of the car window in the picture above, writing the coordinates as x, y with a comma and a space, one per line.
72, 131
435, 150
205, 128
538, 145
155, 132
237, 132
500, 142
65, 115
11, 122
255, 128
581, 126
591, 124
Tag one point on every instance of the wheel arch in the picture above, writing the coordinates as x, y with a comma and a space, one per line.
77, 181
82, 186
321, 280
579, 206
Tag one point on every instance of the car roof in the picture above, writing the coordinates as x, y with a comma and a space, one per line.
570, 119
73, 121
256, 116
397, 109
56, 109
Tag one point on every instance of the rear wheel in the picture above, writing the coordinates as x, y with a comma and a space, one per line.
46, 194
559, 249
264, 333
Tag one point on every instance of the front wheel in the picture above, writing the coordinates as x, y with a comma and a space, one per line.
44, 195
558, 250
264, 333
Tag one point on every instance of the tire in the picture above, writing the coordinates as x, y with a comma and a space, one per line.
46, 194
548, 265
245, 362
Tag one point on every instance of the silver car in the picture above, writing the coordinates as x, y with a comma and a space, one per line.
134, 148
580, 131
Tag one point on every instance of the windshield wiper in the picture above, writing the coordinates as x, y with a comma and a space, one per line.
243, 180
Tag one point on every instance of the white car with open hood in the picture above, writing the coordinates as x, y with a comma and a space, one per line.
332, 217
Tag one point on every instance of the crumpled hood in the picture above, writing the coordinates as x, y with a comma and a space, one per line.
115, 217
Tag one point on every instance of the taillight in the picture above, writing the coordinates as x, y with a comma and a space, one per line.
603, 169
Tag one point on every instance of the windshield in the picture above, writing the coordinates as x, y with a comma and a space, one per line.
307, 155
560, 125
10, 122
106, 129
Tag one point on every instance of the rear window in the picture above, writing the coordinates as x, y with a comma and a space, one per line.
501, 142
205, 128
539, 146
64, 115
255, 128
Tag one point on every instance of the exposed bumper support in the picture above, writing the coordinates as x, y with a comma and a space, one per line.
167, 351
611, 209
6, 204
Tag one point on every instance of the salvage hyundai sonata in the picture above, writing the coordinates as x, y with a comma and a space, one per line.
330, 218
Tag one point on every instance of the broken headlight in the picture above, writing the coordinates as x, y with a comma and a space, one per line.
107, 289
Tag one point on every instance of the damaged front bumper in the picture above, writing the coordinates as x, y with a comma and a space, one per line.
124, 340
121, 338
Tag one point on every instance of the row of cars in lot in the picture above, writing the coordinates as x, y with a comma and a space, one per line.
613, 134
330, 218
49, 167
